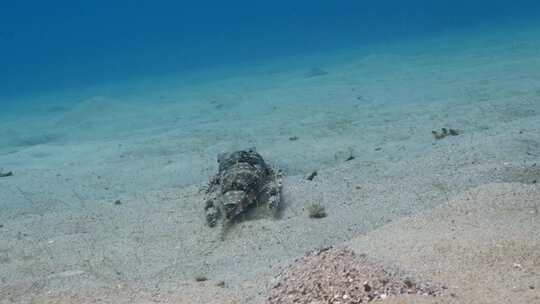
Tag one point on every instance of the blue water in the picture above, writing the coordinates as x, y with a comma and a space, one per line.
112, 114
51, 45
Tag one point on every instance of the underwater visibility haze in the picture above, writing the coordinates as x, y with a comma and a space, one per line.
270, 151
47, 45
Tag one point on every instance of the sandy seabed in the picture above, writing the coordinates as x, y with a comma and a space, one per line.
462, 211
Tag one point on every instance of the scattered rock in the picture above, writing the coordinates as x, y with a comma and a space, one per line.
221, 284
315, 71
367, 288
118, 202
6, 174
216, 104
293, 138
311, 176
345, 155
444, 133
200, 278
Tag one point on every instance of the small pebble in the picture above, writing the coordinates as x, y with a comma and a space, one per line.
311, 175
118, 202
220, 284
367, 288
2, 174
453, 132
293, 138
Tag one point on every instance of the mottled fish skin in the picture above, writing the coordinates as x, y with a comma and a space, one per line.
243, 179
227, 160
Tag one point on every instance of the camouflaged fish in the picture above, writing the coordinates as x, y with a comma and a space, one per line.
243, 180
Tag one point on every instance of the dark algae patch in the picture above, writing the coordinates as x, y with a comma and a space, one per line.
316, 211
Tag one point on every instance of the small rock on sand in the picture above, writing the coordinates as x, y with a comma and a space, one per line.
315, 71
6, 174
310, 176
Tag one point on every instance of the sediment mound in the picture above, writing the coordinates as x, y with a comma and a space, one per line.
341, 276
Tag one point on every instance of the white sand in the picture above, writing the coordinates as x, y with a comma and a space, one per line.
484, 244
152, 143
